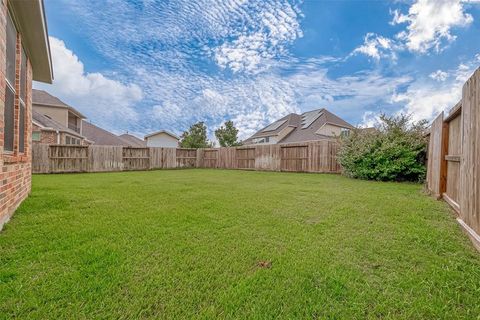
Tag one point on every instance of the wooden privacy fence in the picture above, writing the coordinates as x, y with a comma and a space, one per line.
319, 156
454, 158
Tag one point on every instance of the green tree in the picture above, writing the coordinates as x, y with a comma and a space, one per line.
195, 137
227, 135
393, 151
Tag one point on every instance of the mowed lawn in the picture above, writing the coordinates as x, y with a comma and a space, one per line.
234, 244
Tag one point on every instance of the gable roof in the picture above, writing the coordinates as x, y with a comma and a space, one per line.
162, 131
292, 120
41, 97
47, 123
134, 141
305, 126
101, 136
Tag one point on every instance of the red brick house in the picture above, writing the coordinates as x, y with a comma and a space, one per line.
24, 56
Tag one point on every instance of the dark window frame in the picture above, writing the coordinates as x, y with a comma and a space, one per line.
22, 107
10, 90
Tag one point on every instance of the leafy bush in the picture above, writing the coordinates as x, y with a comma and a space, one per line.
394, 150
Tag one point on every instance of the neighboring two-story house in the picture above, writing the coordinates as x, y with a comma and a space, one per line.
24, 56
54, 121
310, 126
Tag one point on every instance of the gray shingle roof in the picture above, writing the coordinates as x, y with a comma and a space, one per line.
41, 97
47, 123
101, 136
300, 134
134, 141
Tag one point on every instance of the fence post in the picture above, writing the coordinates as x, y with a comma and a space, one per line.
443, 160
198, 162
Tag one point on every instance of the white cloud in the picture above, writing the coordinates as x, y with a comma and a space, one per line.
429, 24
107, 101
439, 75
425, 99
376, 47
272, 28
370, 119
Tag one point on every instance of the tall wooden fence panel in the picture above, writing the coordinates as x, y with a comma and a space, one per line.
310, 157
226, 158
210, 158
453, 171
453, 154
245, 157
186, 158
105, 158
68, 158
294, 158
267, 157
435, 157
136, 158
40, 161
470, 165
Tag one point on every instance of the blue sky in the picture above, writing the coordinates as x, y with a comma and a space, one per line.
142, 66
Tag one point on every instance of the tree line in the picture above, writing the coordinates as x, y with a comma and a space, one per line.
196, 136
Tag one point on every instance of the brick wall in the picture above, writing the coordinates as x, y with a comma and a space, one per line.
15, 168
46, 136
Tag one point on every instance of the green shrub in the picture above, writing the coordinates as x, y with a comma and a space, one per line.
394, 150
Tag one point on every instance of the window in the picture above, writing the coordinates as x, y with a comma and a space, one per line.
9, 112
72, 140
345, 132
36, 136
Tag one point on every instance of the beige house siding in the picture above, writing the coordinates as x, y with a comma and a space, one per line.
58, 114
330, 130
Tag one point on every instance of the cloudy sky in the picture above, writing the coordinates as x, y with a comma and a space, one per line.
142, 66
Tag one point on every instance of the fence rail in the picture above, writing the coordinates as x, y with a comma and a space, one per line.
453, 171
319, 156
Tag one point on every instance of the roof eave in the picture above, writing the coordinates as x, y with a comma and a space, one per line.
162, 131
30, 19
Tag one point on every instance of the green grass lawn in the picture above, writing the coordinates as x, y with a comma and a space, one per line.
234, 244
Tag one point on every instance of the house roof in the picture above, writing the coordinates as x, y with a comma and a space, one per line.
160, 132
134, 141
29, 17
48, 123
292, 119
41, 97
101, 136
306, 125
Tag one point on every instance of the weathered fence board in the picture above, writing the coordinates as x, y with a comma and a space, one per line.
454, 158
435, 154
209, 159
294, 158
68, 158
105, 158
136, 158
245, 157
266, 157
40, 161
186, 158
470, 165
226, 158
311, 157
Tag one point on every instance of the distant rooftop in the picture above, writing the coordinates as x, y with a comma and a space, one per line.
41, 97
